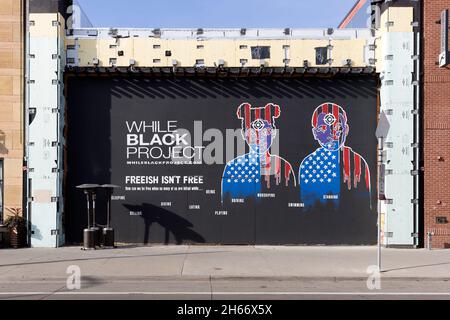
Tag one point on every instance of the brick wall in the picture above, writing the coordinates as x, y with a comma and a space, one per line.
436, 128
11, 102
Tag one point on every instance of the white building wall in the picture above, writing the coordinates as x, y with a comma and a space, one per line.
45, 101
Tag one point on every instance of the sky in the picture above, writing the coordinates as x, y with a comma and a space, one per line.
216, 13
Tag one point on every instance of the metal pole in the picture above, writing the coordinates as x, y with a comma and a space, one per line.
108, 203
88, 210
380, 163
93, 209
25, 116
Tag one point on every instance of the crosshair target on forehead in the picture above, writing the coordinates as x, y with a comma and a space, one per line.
329, 119
258, 125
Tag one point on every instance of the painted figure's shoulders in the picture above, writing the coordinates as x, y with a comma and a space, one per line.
309, 157
354, 153
237, 162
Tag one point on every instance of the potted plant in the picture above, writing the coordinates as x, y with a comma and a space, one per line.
17, 228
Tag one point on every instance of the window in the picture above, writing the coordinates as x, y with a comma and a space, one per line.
1, 190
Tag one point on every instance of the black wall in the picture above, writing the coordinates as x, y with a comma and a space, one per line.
97, 108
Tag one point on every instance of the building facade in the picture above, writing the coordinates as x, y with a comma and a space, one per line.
436, 149
11, 107
393, 47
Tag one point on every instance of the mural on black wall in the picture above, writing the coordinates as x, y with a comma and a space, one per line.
333, 168
258, 170
226, 161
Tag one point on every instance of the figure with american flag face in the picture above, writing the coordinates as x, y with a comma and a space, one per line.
257, 171
333, 168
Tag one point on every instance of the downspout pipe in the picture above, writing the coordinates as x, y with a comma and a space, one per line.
26, 108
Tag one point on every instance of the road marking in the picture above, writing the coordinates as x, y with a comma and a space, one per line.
233, 293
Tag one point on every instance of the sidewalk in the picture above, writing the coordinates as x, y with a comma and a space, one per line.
204, 262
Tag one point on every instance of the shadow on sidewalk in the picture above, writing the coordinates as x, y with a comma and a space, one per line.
416, 267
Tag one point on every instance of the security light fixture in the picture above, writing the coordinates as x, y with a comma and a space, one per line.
156, 32
95, 61
243, 32
305, 63
221, 63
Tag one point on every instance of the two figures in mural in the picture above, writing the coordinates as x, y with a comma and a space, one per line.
332, 168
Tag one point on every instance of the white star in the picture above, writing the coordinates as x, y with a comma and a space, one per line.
318, 176
307, 162
334, 175
249, 180
321, 180
314, 171
229, 180
329, 153
333, 166
306, 181
329, 180
257, 180
333, 157
310, 176
314, 181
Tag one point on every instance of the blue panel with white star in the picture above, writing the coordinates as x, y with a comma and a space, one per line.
320, 177
242, 177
